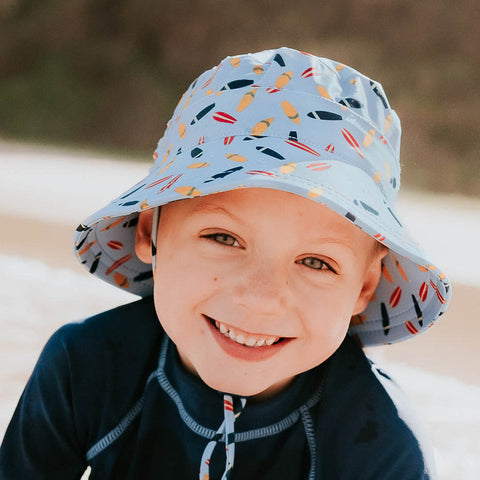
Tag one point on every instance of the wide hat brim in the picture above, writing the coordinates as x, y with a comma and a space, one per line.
411, 294
329, 166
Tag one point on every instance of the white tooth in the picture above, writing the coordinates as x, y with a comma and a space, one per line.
223, 328
260, 342
270, 340
232, 334
217, 323
240, 339
250, 342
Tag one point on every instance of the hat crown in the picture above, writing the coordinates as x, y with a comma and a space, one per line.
330, 107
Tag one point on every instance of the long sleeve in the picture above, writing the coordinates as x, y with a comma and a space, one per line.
369, 429
41, 441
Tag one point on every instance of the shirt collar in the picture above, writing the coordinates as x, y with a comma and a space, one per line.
205, 405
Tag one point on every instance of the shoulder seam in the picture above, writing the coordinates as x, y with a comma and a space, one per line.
116, 432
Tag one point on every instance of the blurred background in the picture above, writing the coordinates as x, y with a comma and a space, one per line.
107, 73
87, 86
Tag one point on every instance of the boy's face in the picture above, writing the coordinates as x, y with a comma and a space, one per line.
255, 286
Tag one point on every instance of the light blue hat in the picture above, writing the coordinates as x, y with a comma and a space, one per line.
290, 121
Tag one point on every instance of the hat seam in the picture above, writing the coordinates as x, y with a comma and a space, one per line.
281, 136
294, 92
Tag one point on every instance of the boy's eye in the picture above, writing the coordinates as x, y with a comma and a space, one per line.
315, 264
224, 239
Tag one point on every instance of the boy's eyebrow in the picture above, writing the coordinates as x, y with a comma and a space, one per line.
342, 241
211, 208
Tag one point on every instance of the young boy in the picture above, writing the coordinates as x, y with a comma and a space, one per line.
269, 220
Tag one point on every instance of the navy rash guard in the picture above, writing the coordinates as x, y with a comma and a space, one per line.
110, 393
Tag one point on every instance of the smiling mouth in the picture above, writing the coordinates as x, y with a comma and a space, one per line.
241, 337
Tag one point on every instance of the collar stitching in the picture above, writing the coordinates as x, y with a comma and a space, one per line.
209, 433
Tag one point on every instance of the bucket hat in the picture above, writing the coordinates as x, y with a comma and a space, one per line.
290, 121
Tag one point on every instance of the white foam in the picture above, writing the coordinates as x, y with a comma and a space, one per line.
451, 411
57, 186
35, 300
448, 228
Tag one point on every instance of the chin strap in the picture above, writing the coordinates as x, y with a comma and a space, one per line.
227, 429
156, 212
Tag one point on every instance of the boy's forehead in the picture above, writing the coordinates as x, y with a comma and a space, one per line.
247, 205
255, 199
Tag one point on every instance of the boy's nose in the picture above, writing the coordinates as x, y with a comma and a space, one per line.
262, 290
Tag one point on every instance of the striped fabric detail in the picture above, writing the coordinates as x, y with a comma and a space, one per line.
310, 433
200, 430
115, 433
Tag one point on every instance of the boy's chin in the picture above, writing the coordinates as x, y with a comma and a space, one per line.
253, 392
241, 384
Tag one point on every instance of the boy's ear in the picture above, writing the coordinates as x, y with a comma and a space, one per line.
143, 236
372, 277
